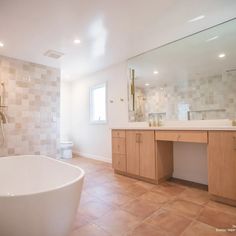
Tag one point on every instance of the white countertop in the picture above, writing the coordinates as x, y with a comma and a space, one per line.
181, 125
226, 128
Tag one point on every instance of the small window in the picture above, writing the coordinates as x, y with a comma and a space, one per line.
98, 103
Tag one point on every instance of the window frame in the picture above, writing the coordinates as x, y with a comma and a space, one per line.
91, 105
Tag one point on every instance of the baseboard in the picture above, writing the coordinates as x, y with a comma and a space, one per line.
223, 200
92, 156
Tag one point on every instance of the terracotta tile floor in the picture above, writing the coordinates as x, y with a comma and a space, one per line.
112, 204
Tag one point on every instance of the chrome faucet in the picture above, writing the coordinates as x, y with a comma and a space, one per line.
3, 117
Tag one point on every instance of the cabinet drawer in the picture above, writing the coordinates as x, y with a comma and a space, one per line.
118, 145
182, 136
119, 162
118, 133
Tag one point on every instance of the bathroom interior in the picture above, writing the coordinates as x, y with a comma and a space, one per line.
117, 118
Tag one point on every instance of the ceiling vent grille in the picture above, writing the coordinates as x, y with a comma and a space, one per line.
53, 54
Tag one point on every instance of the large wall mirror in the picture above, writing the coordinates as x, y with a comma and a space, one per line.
190, 79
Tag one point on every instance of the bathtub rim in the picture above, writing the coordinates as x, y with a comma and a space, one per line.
67, 184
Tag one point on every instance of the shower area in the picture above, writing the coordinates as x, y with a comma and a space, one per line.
29, 109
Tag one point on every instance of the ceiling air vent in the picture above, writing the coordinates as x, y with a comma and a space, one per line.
53, 54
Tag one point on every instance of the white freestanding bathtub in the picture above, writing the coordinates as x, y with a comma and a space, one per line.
39, 196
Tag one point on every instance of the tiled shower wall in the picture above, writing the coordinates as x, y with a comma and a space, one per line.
32, 97
206, 96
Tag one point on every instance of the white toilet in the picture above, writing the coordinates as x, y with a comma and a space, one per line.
66, 149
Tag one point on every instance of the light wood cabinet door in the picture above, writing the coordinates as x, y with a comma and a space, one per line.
119, 162
118, 145
132, 152
164, 159
147, 154
222, 164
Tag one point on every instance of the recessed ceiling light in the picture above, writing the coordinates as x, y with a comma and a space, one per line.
155, 72
213, 38
147, 84
197, 18
77, 41
1, 44
222, 55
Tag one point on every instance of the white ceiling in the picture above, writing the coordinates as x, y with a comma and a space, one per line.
110, 30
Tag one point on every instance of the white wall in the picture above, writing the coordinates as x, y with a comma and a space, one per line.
65, 107
94, 141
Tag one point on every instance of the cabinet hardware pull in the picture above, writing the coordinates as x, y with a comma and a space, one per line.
178, 137
140, 138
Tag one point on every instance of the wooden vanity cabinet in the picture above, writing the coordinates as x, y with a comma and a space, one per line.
188, 136
222, 164
118, 146
132, 151
119, 150
148, 155
140, 154
119, 162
